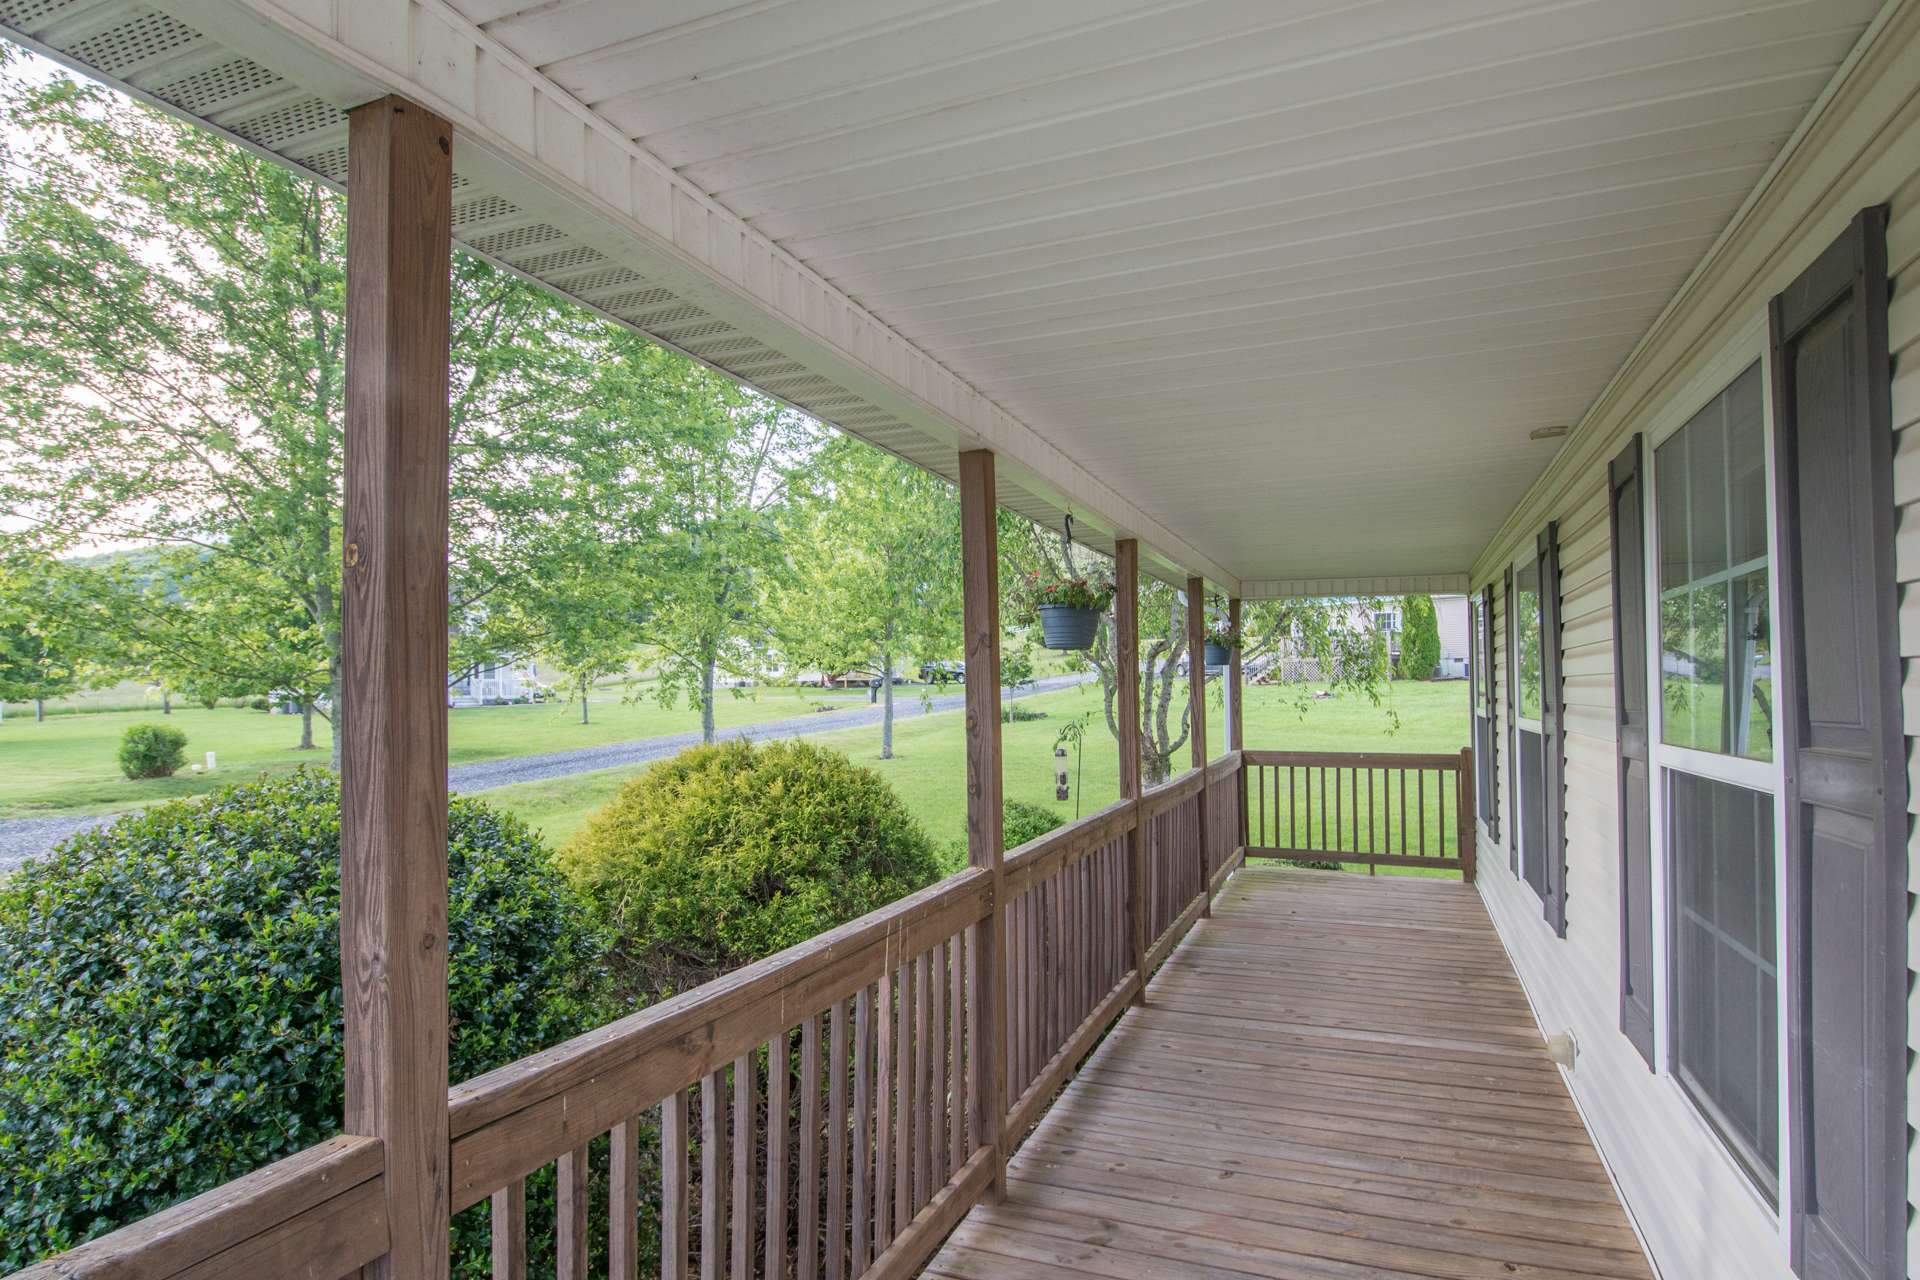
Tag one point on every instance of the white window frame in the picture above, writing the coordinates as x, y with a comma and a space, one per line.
1746, 348
1528, 557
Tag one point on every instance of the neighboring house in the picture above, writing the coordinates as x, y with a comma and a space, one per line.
1456, 636
493, 684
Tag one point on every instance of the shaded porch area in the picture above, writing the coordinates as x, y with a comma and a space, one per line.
1333, 1076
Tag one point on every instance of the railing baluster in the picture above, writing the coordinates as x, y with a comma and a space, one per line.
886, 1004
674, 1208
713, 1176
623, 1202
905, 1137
957, 1041
807, 1239
746, 1103
934, 1000
1403, 813
510, 1231
570, 1215
863, 1137
1420, 777
779, 1071
839, 1072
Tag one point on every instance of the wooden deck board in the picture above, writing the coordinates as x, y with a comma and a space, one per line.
1335, 1077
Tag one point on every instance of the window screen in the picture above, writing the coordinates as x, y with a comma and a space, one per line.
1726, 1003
1716, 668
1526, 590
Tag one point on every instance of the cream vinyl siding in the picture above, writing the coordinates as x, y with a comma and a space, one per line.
1903, 338
1698, 1214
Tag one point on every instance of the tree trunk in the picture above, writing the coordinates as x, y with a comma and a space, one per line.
306, 727
583, 699
886, 712
706, 699
336, 706
166, 702
39, 709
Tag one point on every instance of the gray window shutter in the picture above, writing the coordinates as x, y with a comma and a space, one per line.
1489, 762
1513, 729
1634, 801
1840, 733
1553, 720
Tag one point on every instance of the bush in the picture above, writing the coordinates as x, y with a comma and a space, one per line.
1419, 639
258, 703
152, 751
724, 854
170, 1010
1024, 821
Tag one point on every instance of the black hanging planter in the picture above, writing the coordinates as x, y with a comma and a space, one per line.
1218, 655
1063, 626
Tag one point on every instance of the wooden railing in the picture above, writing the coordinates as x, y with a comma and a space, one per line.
1369, 809
816, 1113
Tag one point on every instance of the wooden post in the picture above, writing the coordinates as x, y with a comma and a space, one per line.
1463, 812
1236, 724
1126, 675
1197, 720
980, 585
393, 755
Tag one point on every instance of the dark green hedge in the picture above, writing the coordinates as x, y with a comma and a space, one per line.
170, 997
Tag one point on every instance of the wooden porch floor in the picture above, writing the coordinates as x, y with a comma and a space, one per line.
1336, 1076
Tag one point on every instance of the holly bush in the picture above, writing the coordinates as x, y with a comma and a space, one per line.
170, 1012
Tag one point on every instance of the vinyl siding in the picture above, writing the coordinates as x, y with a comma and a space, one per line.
1699, 1216
1903, 339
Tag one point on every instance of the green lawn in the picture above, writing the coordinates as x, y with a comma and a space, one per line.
929, 772
65, 765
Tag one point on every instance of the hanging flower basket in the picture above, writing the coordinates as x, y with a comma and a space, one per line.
1064, 626
1069, 610
1220, 642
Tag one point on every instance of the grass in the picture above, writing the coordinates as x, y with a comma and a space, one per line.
66, 766
929, 772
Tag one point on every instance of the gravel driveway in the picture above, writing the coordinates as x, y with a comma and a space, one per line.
23, 838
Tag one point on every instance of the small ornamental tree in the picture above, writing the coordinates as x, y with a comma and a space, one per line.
1419, 638
725, 854
170, 1008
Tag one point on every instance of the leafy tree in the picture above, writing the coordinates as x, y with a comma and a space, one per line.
1419, 638
44, 653
171, 369
875, 579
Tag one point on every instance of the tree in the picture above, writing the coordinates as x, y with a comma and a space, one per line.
43, 653
1338, 633
171, 370
728, 470
875, 576
1419, 638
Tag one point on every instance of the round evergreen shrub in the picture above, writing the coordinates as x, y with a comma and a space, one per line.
152, 751
1024, 821
724, 854
1419, 639
170, 1013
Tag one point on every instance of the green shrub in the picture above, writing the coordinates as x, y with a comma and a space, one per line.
1419, 639
724, 854
1025, 821
170, 1012
258, 703
152, 751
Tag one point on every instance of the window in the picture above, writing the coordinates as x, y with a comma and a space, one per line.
1387, 621
1526, 591
1726, 993
1715, 632
1717, 787
1529, 740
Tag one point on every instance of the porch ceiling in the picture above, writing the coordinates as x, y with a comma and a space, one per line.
1278, 287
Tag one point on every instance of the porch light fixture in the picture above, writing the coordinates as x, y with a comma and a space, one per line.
1548, 433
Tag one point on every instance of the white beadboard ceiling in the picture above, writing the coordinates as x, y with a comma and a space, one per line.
1284, 283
